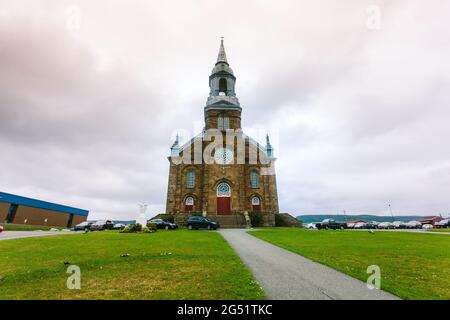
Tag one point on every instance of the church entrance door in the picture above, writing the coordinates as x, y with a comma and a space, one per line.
223, 205
223, 199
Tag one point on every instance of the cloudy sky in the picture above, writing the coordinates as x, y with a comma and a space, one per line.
355, 95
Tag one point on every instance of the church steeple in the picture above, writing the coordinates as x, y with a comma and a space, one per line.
222, 57
222, 83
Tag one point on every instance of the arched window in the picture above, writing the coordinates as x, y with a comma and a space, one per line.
256, 203
254, 178
189, 204
223, 190
191, 178
223, 85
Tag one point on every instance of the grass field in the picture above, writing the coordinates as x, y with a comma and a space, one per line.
413, 265
440, 230
178, 264
24, 227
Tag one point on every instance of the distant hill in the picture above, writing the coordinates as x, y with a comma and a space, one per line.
308, 218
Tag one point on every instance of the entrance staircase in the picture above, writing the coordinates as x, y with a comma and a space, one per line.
229, 221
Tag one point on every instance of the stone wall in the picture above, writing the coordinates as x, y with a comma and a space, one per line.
208, 176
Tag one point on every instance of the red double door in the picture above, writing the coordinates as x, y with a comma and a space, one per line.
223, 205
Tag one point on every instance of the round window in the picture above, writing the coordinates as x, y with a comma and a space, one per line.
223, 156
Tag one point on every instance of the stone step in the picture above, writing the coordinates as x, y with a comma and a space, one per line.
229, 221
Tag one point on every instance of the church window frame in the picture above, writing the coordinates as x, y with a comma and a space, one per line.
226, 123
220, 123
223, 190
191, 179
189, 201
256, 201
254, 179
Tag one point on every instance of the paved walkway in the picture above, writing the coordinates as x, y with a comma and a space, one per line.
286, 275
8, 235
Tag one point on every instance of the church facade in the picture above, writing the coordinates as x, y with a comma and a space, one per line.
222, 171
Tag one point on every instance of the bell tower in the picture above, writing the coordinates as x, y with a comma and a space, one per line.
222, 110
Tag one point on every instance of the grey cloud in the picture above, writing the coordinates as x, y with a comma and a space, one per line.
86, 117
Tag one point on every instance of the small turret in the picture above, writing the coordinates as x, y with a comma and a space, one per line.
175, 149
269, 148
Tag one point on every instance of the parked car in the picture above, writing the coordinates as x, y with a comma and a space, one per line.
311, 226
1, 229
350, 225
102, 225
197, 222
399, 224
360, 225
84, 226
385, 225
161, 224
443, 224
427, 226
371, 225
119, 226
413, 225
331, 224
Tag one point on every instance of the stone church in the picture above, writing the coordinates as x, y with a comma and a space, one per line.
222, 171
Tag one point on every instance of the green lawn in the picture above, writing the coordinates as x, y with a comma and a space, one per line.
178, 264
413, 265
24, 227
440, 230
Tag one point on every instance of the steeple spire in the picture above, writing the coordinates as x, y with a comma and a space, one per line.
222, 57
175, 149
269, 148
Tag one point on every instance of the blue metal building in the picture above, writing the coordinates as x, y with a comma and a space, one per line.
22, 210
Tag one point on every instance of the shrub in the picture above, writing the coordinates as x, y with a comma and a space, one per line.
256, 219
148, 230
137, 227
280, 221
152, 227
286, 220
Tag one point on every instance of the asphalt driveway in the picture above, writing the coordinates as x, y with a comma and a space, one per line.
286, 275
